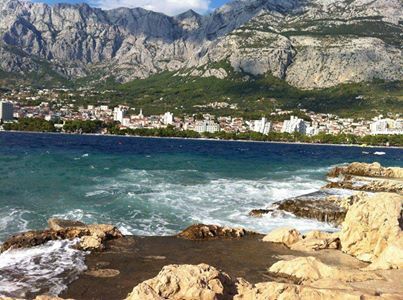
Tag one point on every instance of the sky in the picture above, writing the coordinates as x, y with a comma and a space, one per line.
169, 7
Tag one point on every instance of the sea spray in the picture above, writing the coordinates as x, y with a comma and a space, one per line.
45, 269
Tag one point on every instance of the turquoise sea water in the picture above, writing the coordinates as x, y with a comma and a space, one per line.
146, 187
159, 186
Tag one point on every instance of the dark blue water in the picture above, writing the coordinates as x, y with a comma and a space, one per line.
159, 186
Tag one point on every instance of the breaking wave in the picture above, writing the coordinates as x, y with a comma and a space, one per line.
45, 269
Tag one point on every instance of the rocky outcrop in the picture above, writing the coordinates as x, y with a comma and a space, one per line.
371, 226
207, 232
367, 177
275, 290
309, 269
186, 282
286, 236
366, 170
371, 185
205, 282
321, 209
328, 205
91, 237
391, 257
316, 240
312, 241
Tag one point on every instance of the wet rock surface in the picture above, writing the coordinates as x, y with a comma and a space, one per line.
314, 206
259, 212
91, 237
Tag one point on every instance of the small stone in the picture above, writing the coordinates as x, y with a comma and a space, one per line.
103, 273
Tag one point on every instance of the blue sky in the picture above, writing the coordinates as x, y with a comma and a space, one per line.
170, 7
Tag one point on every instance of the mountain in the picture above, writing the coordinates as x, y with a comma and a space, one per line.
307, 43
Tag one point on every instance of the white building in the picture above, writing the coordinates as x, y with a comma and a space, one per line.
386, 126
207, 126
6, 111
312, 130
262, 126
294, 125
379, 126
119, 113
126, 122
168, 118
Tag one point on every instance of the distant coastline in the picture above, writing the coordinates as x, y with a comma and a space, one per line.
203, 139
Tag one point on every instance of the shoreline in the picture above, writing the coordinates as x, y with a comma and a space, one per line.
246, 257
113, 263
206, 139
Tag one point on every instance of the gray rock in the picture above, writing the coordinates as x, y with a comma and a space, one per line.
310, 44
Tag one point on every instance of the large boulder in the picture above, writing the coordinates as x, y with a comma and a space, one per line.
186, 282
391, 257
312, 269
365, 169
207, 232
371, 225
284, 235
91, 237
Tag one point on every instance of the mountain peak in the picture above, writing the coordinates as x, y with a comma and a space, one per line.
188, 14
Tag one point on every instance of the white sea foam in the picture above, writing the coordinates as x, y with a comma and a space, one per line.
76, 214
156, 204
12, 220
45, 269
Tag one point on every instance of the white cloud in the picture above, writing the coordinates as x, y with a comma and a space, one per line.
169, 7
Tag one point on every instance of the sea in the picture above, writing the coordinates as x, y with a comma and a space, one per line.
148, 186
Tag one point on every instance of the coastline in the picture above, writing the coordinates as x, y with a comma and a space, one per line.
204, 139
112, 264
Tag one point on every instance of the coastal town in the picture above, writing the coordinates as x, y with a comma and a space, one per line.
46, 105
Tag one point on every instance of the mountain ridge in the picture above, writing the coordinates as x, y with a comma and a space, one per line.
309, 44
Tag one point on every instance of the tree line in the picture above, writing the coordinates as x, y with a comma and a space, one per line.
88, 127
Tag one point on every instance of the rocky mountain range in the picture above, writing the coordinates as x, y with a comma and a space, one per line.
308, 43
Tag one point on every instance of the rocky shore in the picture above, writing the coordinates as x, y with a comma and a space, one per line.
331, 203
364, 260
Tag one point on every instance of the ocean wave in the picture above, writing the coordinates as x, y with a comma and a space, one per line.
159, 202
45, 269
163, 202
12, 220
78, 215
